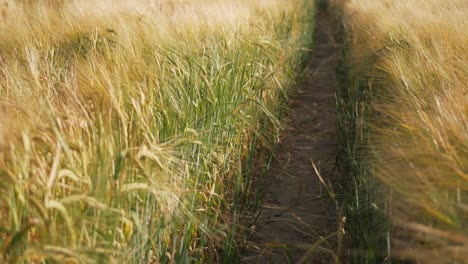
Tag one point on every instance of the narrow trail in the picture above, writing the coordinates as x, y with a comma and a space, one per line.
297, 210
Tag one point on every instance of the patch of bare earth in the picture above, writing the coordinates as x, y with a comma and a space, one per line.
297, 210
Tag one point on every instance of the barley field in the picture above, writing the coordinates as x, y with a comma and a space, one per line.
132, 131
404, 128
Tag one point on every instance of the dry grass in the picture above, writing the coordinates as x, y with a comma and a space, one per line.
126, 127
413, 55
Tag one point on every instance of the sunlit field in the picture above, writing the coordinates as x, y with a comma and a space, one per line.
131, 131
404, 121
137, 131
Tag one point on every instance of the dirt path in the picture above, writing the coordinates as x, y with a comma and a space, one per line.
297, 210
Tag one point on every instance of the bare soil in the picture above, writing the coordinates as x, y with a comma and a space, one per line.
297, 210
